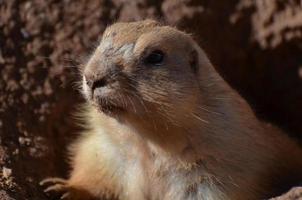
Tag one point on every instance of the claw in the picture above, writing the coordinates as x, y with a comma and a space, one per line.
52, 180
56, 188
62, 187
65, 195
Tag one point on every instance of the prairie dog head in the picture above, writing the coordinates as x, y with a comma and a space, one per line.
145, 71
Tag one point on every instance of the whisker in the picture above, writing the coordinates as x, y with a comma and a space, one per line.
134, 108
199, 118
210, 111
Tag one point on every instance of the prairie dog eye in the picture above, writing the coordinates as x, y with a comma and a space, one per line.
154, 58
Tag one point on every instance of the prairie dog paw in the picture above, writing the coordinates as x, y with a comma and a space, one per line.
64, 189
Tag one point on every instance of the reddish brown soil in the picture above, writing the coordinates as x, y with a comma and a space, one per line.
256, 46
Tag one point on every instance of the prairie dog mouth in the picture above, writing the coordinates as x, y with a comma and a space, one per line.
109, 99
108, 105
105, 99
110, 109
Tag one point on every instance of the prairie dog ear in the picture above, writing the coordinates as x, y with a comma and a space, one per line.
194, 61
199, 60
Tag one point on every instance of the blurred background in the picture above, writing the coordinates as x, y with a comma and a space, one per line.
256, 45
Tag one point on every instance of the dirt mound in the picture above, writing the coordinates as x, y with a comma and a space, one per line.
256, 45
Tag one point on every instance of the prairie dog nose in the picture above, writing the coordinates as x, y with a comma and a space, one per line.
95, 82
100, 74
96, 76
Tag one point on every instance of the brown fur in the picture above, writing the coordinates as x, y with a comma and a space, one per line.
174, 131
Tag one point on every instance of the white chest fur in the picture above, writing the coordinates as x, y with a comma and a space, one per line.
134, 176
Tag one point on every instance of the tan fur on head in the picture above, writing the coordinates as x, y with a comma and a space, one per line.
169, 93
162, 124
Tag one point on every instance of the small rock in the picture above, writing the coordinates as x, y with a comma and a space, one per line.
16, 152
25, 34
24, 98
24, 141
30, 179
6, 172
300, 72
5, 196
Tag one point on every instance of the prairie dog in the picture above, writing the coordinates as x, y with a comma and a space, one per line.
163, 125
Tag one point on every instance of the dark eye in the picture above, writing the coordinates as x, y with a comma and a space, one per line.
155, 58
